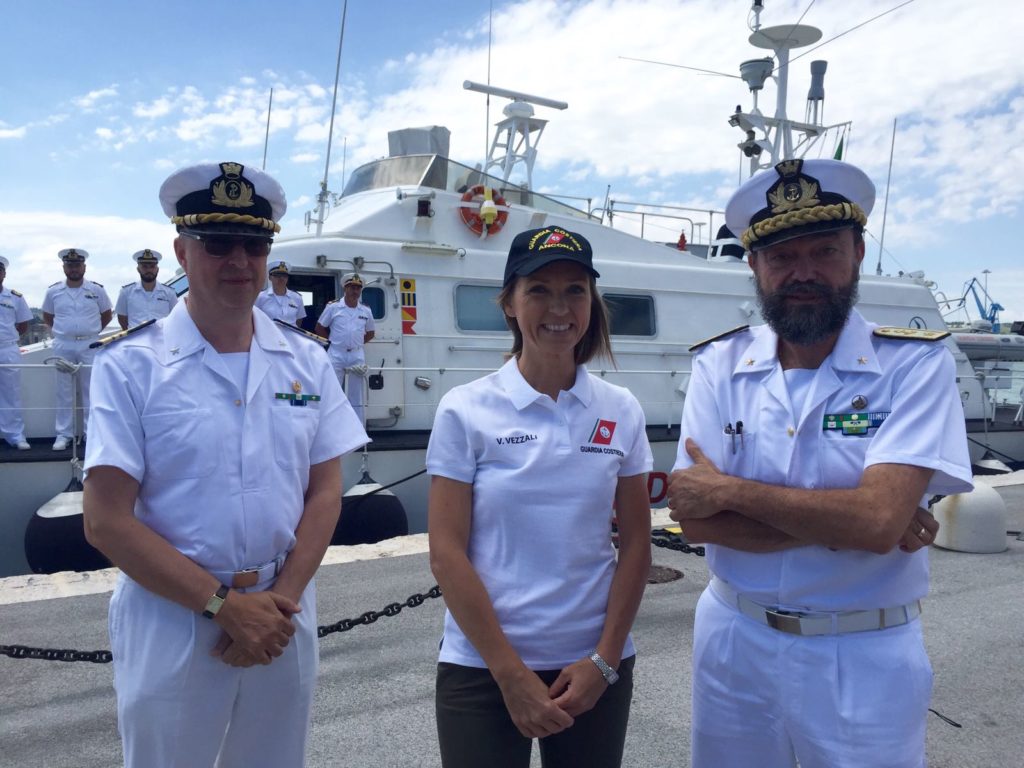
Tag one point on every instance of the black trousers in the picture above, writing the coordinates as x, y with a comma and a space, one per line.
475, 730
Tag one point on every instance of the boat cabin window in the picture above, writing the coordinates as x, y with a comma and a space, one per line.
373, 297
476, 308
630, 315
179, 284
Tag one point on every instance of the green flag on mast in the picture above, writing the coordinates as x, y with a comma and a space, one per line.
839, 151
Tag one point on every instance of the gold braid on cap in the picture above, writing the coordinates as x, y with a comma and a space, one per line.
225, 218
802, 216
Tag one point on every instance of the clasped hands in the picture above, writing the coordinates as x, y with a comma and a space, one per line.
691, 497
539, 710
257, 627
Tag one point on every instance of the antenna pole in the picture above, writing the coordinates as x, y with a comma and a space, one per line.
885, 208
321, 206
487, 111
266, 138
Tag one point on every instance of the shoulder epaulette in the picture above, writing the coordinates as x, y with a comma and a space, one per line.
15, 293
121, 334
54, 285
95, 283
332, 301
295, 329
910, 334
701, 344
127, 285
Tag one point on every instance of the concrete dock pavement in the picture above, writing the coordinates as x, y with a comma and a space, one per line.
374, 703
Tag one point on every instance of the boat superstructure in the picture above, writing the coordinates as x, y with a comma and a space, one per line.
429, 236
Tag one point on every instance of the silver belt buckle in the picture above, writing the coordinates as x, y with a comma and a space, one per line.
784, 622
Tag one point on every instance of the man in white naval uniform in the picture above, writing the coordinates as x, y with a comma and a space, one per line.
146, 299
14, 317
277, 301
810, 447
76, 310
350, 325
213, 481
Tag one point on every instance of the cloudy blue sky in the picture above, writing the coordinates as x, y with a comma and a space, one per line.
100, 101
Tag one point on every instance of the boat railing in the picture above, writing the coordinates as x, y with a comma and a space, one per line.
654, 221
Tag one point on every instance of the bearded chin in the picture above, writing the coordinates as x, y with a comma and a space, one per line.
148, 278
808, 324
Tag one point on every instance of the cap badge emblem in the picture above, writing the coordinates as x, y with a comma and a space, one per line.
231, 189
793, 190
297, 387
859, 402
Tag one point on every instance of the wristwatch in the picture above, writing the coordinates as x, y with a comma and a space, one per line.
216, 601
610, 675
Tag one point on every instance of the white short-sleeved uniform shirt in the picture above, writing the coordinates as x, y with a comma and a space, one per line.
905, 395
544, 475
13, 309
288, 308
76, 311
140, 305
348, 325
222, 472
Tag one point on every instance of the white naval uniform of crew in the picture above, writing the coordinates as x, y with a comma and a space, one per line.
349, 326
288, 307
13, 309
222, 473
76, 324
517, 447
140, 305
855, 698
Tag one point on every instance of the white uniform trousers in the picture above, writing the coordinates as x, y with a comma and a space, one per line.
353, 384
73, 351
12, 425
765, 698
179, 707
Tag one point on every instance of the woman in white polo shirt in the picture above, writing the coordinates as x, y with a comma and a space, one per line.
527, 464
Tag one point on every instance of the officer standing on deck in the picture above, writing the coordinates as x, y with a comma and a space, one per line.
277, 301
76, 310
146, 299
350, 324
14, 317
809, 446
213, 481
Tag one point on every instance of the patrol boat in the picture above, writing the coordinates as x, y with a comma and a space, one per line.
429, 236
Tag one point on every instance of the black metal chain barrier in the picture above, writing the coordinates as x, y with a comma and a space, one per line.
55, 654
668, 540
660, 538
392, 609
105, 657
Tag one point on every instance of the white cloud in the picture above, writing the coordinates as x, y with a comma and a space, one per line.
91, 99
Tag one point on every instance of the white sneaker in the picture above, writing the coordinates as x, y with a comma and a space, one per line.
22, 445
61, 443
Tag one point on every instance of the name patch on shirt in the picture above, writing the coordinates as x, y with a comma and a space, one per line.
515, 439
854, 423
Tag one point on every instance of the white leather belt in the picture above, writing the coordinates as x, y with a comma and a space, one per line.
251, 577
817, 623
73, 337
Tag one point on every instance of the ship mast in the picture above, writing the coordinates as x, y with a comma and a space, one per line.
769, 140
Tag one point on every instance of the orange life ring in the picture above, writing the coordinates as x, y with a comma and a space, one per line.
470, 207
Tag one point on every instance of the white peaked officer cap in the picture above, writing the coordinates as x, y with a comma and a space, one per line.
73, 255
278, 267
352, 279
799, 197
4, 262
224, 198
147, 256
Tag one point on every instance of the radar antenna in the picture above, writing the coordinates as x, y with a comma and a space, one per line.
516, 137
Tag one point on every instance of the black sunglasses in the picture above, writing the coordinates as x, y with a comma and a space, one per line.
222, 245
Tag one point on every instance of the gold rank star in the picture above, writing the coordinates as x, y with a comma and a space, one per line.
862, 360
750, 361
297, 387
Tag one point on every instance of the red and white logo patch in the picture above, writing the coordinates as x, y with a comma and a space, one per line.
603, 431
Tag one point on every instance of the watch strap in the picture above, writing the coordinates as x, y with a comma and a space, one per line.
213, 605
610, 675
